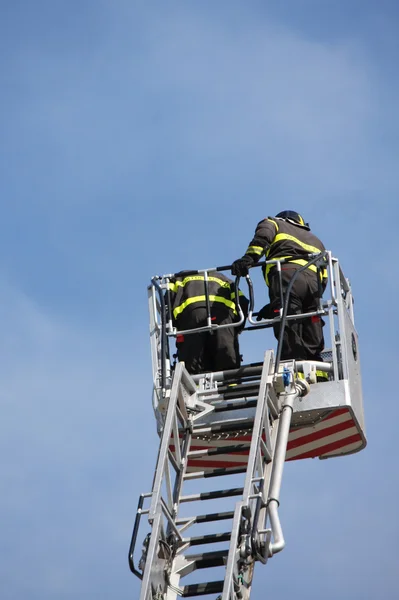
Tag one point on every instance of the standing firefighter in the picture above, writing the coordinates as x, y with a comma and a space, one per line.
287, 236
206, 351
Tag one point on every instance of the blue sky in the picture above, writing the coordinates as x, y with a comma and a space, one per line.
138, 138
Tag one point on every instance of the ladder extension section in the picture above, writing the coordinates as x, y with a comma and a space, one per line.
220, 561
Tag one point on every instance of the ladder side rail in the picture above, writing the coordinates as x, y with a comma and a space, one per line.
253, 466
180, 476
160, 508
264, 458
168, 481
265, 466
261, 414
233, 555
173, 527
165, 441
175, 432
146, 587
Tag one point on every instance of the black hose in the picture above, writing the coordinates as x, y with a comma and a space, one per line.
285, 307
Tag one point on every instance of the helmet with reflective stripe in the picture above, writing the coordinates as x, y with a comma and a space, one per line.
292, 216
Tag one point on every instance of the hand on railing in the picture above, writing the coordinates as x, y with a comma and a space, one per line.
241, 265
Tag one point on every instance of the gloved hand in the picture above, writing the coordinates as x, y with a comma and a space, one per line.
240, 266
265, 313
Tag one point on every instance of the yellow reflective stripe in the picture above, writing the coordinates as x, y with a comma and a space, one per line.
254, 250
301, 221
291, 238
297, 261
179, 309
302, 262
274, 223
233, 294
322, 374
174, 286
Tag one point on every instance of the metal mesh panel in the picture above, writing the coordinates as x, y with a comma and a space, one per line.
327, 355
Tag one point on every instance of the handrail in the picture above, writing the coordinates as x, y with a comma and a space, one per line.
338, 286
173, 331
164, 342
133, 541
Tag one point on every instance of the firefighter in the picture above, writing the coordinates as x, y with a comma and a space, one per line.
206, 351
287, 236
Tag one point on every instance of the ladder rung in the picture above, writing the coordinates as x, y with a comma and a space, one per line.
224, 426
210, 538
243, 386
206, 560
202, 589
249, 391
212, 495
207, 518
225, 406
219, 450
214, 473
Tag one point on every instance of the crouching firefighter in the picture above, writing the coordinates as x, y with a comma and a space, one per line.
216, 350
287, 236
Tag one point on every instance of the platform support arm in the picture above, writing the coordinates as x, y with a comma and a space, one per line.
273, 501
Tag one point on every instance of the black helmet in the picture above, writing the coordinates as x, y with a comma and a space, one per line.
292, 215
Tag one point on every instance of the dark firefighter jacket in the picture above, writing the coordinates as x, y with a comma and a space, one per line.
188, 292
278, 238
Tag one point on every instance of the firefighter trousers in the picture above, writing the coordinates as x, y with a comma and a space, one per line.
303, 339
205, 351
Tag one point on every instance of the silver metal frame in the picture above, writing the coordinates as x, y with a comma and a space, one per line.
188, 407
250, 540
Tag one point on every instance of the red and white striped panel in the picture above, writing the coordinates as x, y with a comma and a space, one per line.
337, 434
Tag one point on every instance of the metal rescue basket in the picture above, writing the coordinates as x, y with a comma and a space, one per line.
243, 423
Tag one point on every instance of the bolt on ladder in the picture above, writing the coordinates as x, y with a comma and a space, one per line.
232, 427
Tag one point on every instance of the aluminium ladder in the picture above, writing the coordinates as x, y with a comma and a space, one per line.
233, 431
168, 553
